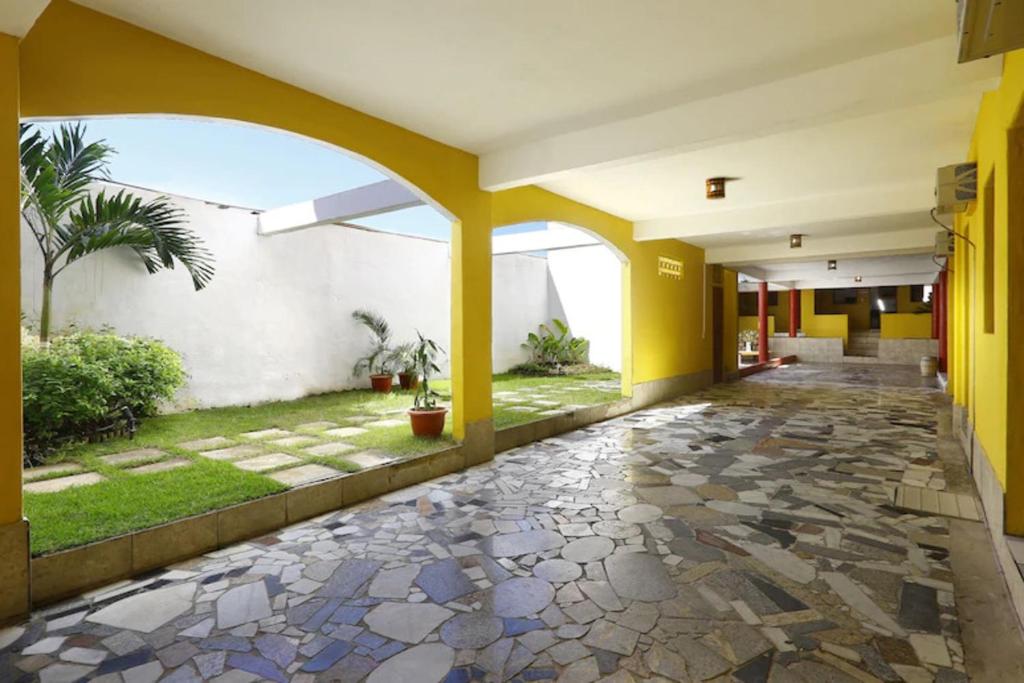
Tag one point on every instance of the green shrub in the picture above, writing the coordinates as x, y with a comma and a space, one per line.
144, 371
71, 387
556, 347
62, 394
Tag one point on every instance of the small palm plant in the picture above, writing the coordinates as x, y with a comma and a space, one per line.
69, 222
379, 359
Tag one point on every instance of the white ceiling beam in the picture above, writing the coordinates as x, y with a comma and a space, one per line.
913, 241
359, 202
790, 215
540, 240
869, 281
913, 75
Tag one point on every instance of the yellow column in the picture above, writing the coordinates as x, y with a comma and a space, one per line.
14, 552
471, 332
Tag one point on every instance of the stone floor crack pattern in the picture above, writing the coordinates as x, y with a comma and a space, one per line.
742, 533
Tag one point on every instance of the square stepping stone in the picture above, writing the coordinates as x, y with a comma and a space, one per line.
367, 459
345, 432
523, 409
272, 433
206, 444
132, 456
304, 474
232, 453
33, 473
333, 448
318, 426
61, 483
162, 466
387, 423
266, 462
292, 441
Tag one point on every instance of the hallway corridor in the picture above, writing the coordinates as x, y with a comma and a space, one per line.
742, 533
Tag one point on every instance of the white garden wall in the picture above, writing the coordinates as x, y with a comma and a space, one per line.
275, 321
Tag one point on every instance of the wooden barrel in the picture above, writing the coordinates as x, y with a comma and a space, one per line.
929, 365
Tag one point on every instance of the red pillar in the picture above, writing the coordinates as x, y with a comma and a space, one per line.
943, 304
794, 311
935, 309
762, 322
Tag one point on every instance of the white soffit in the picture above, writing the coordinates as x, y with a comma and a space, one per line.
17, 16
359, 202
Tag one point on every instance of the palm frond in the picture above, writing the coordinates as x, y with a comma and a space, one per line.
375, 323
155, 230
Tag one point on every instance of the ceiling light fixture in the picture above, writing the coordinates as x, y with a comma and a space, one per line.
857, 278
832, 264
796, 241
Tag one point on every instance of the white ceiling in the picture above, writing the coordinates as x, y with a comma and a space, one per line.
874, 272
834, 114
482, 75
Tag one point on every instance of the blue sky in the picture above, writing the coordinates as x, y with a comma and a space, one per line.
248, 166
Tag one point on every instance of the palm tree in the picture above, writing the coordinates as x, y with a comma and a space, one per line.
69, 222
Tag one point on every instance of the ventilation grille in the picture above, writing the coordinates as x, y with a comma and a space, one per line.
670, 268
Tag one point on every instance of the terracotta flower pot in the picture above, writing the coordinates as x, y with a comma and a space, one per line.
428, 423
381, 383
408, 380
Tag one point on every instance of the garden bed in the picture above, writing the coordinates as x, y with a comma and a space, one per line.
190, 463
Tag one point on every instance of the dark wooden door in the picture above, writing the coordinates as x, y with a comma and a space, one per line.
717, 342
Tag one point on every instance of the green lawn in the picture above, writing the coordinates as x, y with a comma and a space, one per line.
127, 502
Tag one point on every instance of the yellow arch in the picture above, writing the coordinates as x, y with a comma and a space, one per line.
77, 62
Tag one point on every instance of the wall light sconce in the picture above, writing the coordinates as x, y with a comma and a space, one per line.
714, 188
796, 241
857, 278
832, 264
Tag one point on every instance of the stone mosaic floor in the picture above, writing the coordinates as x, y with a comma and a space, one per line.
743, 533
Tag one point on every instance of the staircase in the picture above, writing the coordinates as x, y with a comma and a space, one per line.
862, 344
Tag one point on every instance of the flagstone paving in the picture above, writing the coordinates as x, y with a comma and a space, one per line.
722, 536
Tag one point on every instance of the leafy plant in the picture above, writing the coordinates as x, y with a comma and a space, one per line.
556, 347
69, 223
425, 353
380, 358
72, 385
404, 357
748, 339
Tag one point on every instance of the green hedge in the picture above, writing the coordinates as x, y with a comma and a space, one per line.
73, 384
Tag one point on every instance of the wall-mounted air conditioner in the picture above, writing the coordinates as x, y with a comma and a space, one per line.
988, 27
955, 185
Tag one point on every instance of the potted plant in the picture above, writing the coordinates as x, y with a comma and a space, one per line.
380, 357
405, 359
749, 339
426, 418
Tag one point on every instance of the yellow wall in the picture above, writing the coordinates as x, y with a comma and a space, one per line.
906, 326
815, 324
858, 315
749, 322
10, 287
981, 364
730, 320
